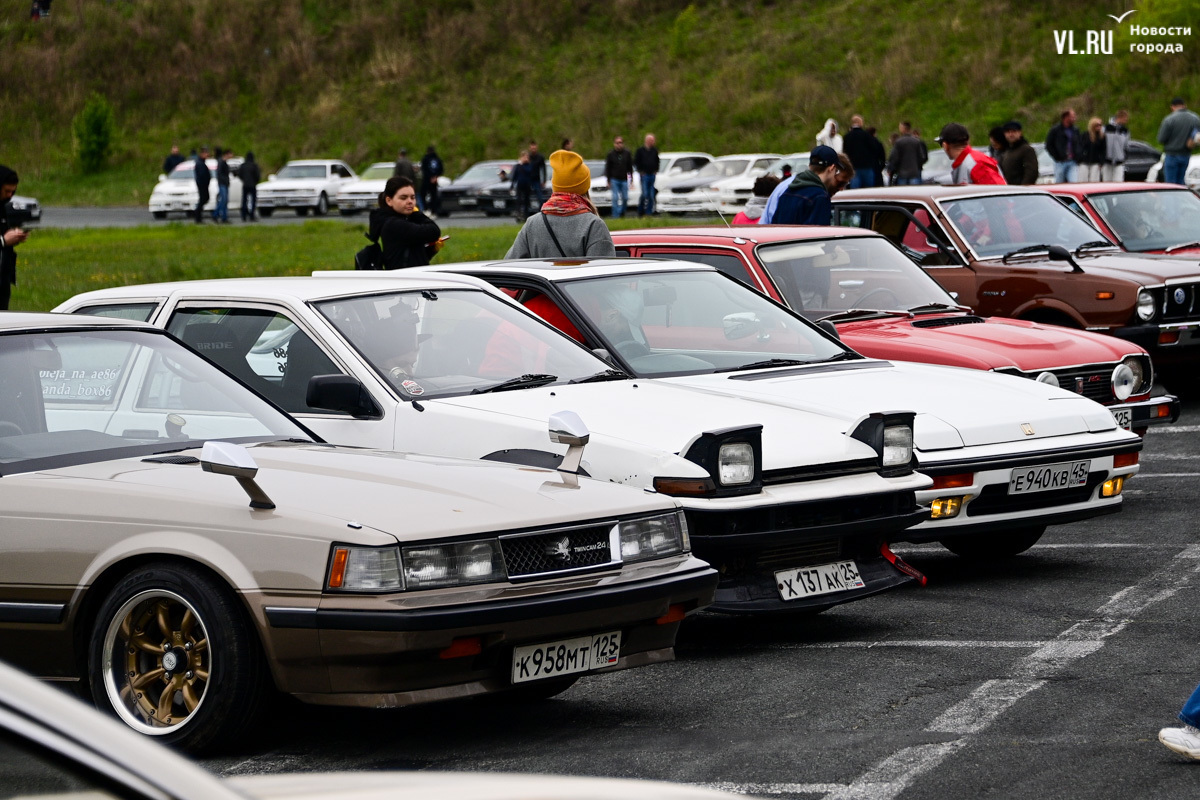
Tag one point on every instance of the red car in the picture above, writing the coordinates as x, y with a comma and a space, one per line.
1141, 217
884, 306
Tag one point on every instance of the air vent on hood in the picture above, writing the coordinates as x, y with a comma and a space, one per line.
172, 460
941, 322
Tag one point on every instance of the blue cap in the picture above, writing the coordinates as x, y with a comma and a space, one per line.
822, 155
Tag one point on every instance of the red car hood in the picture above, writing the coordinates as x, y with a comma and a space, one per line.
960, 340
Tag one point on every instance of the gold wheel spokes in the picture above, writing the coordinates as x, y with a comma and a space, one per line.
190, 698
162, 615
166, 700
200, 646
147, 678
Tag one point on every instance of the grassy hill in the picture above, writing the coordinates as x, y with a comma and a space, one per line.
359, 78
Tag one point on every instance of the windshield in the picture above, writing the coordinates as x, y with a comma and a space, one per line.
450, 342
997, 225
1150, 220
82, 396
489, 171
724, 169
671, 323
820, 278
797, 161
186, 171
377, 172
293, 171
938, 162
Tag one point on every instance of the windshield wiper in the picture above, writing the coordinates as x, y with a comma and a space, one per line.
1181, 246
770, 362
1033, 248
845, 355
519, 382
1092, 244
936, 307
606, 375
855, 313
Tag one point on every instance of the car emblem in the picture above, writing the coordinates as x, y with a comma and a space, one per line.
1180, 296
1079, 385
1025, 426
559, 549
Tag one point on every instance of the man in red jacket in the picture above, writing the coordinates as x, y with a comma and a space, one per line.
967, 164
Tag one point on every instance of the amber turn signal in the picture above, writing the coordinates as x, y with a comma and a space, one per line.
674, 614
946, 507
692, 487
1168, 337
1124, 460
953, 481
337, 572
1112, 487
1105, 295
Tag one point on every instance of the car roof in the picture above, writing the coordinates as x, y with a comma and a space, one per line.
302, 288
753, 233
748, 155
571, 268
1105, 188
684, 154
931, 192
23, 320
305, 162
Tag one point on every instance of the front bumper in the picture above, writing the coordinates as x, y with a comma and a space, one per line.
666, 202
1167, 342
287, 201
990, 505
748, 546
1161, 410
366, 651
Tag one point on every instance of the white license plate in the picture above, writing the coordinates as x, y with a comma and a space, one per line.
498, 204
467, 201
1123, 417
1048, 477
840, 576
297, 201
585, 653
359, 203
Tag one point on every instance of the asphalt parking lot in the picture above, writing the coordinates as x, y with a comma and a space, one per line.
1046, 675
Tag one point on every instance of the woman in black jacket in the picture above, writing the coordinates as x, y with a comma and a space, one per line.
407, 236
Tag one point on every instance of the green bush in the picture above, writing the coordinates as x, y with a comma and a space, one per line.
93, 129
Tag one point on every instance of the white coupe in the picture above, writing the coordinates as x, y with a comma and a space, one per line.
177, 193
304, 186
362, 194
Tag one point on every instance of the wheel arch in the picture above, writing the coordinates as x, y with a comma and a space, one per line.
1052, 312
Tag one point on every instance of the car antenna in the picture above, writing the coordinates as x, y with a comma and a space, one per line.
717, 206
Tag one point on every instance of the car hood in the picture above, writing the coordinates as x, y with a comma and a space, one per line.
389, 494
175, 187
1148, 269
421, 785
955, 407
670, 418
963, 340
696, 182
373, 185
294, 183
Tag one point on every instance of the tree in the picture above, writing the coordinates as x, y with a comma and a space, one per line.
93, 129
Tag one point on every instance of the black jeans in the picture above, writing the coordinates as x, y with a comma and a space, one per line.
201, 204
5, 294
431, 198
249, 202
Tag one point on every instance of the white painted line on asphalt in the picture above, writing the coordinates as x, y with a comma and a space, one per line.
1169, 457
1031, 645
764, 789
1168, 475
1176, 429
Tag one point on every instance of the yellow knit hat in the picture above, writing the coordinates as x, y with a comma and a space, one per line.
570, 173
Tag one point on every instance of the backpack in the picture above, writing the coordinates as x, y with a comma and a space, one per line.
370, 257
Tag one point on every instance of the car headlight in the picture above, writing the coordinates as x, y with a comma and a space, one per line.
364, 569
890, 434
1123, 381
1048, 378
1145, 305
1143, 373
653, 537
897, 445
458, 564
735, 464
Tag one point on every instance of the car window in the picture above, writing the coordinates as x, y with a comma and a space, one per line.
902, 229
1152, 220
1001, 224
293, 171
378, 172
340, 171
139, 312
264, 348
1073, 204
731, 265
450, 342
29, 770
80, 396
678, 322
484, 172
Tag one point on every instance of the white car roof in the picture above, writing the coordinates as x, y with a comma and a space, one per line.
307, 162
748, 155
568, 269
684, 154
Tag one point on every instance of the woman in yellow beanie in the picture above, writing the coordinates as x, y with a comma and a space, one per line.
569, 225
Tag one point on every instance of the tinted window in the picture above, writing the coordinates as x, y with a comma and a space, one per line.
998, 225
1151, 220
731, 265
139, 312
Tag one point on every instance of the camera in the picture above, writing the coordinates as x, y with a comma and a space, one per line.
18, 214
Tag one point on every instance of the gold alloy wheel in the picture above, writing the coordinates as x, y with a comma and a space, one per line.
157, 661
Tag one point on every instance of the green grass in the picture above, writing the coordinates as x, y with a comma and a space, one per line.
56, 265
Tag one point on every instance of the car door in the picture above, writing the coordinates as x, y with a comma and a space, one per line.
922, 238
270, 349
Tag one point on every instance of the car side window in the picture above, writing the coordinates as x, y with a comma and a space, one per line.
902, 229
264, 348
731, 265
27, 770
139, 312
1073, 204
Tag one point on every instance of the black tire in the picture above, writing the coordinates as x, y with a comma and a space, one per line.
322, 206
1003, 544
159, 214
347, 212
212, 671
265, 212
301, 212
537, 691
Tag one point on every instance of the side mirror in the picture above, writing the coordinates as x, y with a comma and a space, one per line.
567, 428
741, 325
1056, 252
343, 393
226, 458
271, 177
162, 177
830, 328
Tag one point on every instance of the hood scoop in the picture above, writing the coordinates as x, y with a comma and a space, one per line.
172, 460
942, 322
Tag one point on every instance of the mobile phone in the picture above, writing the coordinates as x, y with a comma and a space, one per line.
444, 238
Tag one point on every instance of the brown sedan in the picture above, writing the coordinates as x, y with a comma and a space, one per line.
1018, 252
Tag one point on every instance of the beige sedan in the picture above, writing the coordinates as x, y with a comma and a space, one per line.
176, 544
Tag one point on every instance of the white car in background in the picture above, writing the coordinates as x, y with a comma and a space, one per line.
725, 183
797, 161
177, 192
672, 166
1191, 178
363, 194
310, 185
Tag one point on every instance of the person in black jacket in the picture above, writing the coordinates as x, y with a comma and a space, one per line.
860, 146
1063, 145
538, 162
523, 178
10, 235
408, 237
221, 211
172, 161
250, 175
203, 176
432, 168
647, 162
618, 166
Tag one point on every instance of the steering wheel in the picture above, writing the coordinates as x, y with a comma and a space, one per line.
631, 349
10, 428
859, 303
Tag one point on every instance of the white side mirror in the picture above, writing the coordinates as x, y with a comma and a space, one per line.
567, 428
226, 458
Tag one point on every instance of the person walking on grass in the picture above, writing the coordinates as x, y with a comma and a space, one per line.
203, 176
618, 167
250, 175
569, 225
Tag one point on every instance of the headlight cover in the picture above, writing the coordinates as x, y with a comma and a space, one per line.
890, 434
653, 537
1123, 381
364, 569
457, 564
1048, 378
732, 457
1145, 305
1143, 373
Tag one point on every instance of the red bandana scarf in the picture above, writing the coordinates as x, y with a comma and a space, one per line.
565, 204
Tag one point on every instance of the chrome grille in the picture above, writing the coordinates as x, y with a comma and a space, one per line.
801, 555
1180, 302
556, 551
1093, 381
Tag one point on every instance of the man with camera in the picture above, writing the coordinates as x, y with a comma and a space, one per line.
11, 233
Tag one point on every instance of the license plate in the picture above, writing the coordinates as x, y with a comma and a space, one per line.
498, 204
1123, 417
1048, 477
840, 576
583, 654
467, 201
297, 201
359, 203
